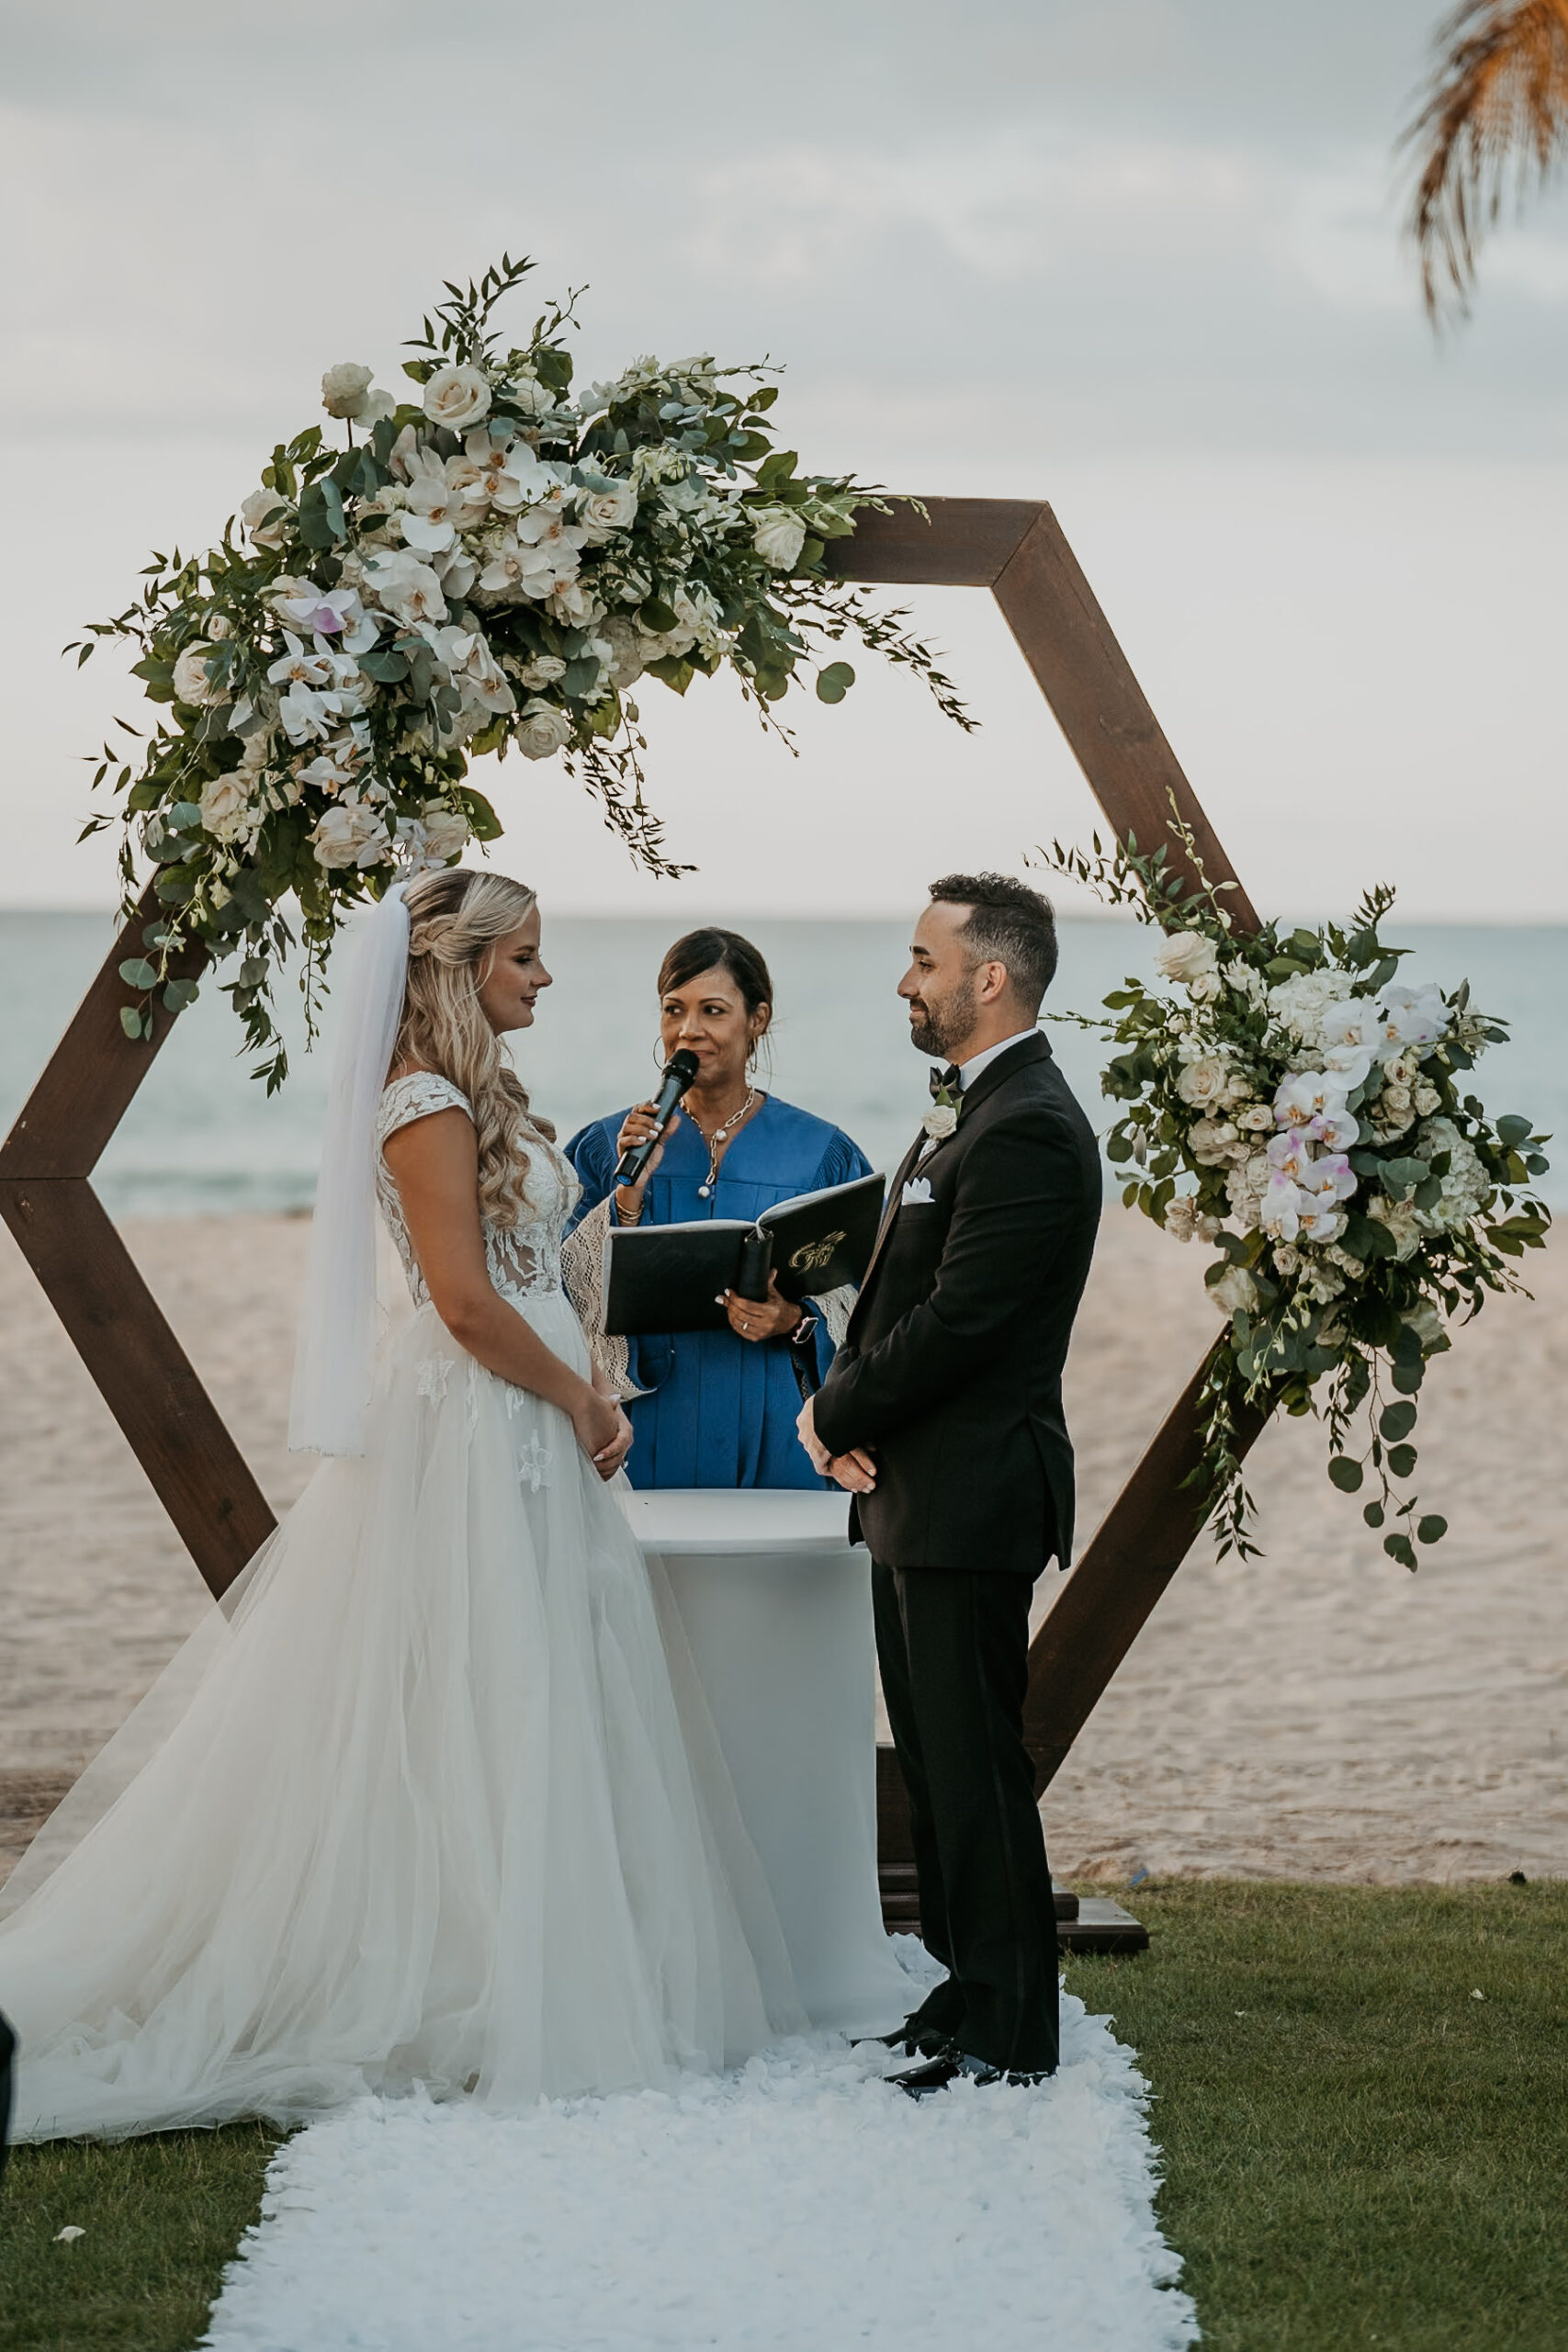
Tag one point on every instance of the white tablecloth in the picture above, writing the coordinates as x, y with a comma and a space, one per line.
778, 1610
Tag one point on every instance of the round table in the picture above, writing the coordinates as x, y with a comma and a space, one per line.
777, 1607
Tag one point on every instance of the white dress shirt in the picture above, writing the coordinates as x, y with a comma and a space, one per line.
970, 1070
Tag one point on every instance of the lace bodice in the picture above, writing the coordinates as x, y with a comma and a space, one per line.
525, 1259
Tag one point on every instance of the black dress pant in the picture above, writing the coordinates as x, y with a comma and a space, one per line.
953, 1645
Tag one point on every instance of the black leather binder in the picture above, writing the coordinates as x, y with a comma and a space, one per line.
671, 1277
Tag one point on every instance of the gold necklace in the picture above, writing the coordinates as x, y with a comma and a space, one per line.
716, 1142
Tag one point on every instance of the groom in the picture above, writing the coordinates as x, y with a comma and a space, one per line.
943, 1414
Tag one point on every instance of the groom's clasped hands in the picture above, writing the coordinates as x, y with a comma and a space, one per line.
854, 1471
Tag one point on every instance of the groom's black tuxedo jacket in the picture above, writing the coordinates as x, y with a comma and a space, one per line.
952, 1368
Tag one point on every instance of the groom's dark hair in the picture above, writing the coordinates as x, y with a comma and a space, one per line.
1008, 923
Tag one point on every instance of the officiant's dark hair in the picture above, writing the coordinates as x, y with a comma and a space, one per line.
713, 950
1009, 924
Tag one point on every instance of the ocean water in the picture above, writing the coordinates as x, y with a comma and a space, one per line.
201, 1136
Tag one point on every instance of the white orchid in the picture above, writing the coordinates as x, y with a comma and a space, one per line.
504, 476
306, 714
326, 612
1310, 1094
472, 668
299, 666
1349, 1036
404, 587
1411, 1017
436, 507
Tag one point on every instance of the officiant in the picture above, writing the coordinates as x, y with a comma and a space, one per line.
718, 1408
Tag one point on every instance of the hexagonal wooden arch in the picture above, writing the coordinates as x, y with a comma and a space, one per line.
1016, 549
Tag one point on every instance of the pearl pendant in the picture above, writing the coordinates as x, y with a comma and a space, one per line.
703, 1191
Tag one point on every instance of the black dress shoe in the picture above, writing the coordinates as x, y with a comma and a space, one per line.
938, 2074
942, 2071
913, 2045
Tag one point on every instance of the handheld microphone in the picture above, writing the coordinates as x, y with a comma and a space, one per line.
678, 1071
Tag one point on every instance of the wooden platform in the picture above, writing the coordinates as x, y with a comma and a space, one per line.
1087, 1923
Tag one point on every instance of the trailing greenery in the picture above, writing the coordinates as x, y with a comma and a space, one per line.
159, 2219
1357, 2150
1289, 1102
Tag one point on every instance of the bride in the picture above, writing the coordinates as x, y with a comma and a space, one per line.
433, 1798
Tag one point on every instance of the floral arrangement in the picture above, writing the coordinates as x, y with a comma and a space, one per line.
1296, 1106
495, 564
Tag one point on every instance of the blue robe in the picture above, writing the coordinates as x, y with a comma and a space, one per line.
721, 1410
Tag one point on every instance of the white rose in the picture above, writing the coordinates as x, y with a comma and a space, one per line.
1187, 957
218, 625
191, 681
940, 1120
1426, 1099
350, 833
266, 516
624, 641
1287, 1259
1205, 1083
541, 730
344, 389
1235, 1290
778, 534
1215, 1143
1401, 1070
1257, 1118
225, 800
532, 398
608, 510
457, 397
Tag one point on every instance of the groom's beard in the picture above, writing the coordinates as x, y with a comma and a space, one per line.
938, 1027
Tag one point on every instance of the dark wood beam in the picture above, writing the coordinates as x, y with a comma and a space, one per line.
143, 1374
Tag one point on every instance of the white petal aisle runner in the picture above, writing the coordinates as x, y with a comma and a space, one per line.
799, 2206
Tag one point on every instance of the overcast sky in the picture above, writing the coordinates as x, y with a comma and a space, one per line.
1141, 257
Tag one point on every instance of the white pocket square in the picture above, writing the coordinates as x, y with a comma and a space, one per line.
917, 1193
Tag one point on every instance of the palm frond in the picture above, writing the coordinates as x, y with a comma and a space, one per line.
1493, 125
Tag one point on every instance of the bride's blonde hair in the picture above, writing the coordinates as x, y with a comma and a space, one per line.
456, 918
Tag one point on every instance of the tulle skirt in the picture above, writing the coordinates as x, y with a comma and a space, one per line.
432, 1799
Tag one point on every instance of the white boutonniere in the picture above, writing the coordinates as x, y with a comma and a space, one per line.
942, 1119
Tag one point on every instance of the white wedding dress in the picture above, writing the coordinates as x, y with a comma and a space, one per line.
435, 1801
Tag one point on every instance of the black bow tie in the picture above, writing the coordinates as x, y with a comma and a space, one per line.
948, 1080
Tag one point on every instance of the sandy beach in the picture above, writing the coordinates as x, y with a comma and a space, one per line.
1318, 1714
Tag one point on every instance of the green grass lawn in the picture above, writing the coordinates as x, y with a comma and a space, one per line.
159, 2218
1355, 2151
